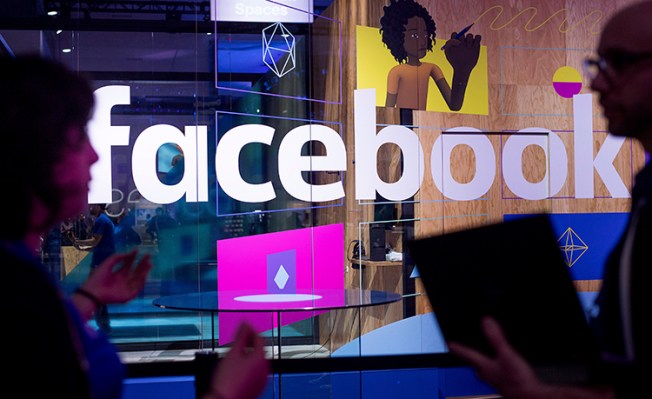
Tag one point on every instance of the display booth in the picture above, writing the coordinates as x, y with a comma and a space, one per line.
275, 157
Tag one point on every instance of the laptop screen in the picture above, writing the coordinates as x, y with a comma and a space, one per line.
513, 271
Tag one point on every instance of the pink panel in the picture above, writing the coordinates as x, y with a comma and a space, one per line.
249, 265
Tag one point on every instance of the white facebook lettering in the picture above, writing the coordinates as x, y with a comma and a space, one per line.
102, 136
556, 168
584, 161
291, 164
367, 143
485, 164
228, 170
194, 182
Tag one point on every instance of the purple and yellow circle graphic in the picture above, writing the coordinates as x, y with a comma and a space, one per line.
567, 81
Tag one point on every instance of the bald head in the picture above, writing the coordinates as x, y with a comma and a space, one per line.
624, 80
629, 29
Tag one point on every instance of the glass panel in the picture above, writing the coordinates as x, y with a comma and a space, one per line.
251, 159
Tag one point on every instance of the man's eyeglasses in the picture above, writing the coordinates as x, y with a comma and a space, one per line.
613, 64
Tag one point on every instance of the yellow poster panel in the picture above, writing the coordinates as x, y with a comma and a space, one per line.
374, 61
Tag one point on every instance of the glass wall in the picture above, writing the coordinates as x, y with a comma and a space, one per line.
256, 152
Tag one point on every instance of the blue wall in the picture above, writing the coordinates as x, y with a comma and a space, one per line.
412, 383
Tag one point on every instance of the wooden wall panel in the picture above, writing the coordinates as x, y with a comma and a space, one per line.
526, 42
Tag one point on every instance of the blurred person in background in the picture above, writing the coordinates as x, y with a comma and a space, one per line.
44, 110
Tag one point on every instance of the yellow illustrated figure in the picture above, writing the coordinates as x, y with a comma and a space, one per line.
408, 31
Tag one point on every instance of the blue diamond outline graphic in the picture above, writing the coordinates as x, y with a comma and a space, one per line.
290, 49
572, 246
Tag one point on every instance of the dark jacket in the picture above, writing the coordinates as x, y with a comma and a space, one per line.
629, 377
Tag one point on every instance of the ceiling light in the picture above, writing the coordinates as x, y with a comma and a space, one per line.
52, 13
59, 31
66, 50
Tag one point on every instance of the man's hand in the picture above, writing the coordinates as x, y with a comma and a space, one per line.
512, 375
507, 371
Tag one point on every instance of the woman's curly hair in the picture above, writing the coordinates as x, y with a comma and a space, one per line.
40, 100
393, 24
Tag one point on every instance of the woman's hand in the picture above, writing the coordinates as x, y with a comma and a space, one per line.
243, 372
119, 278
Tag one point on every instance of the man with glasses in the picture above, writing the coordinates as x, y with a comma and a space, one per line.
622, 76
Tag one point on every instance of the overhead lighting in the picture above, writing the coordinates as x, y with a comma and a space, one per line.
52, 13
59, 31
66, 50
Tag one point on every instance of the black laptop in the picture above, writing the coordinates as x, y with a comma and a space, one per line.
515, 272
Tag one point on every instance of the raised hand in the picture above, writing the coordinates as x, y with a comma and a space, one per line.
463, 53
119, 278
243, 372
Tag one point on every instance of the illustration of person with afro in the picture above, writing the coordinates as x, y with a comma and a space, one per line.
408, 31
